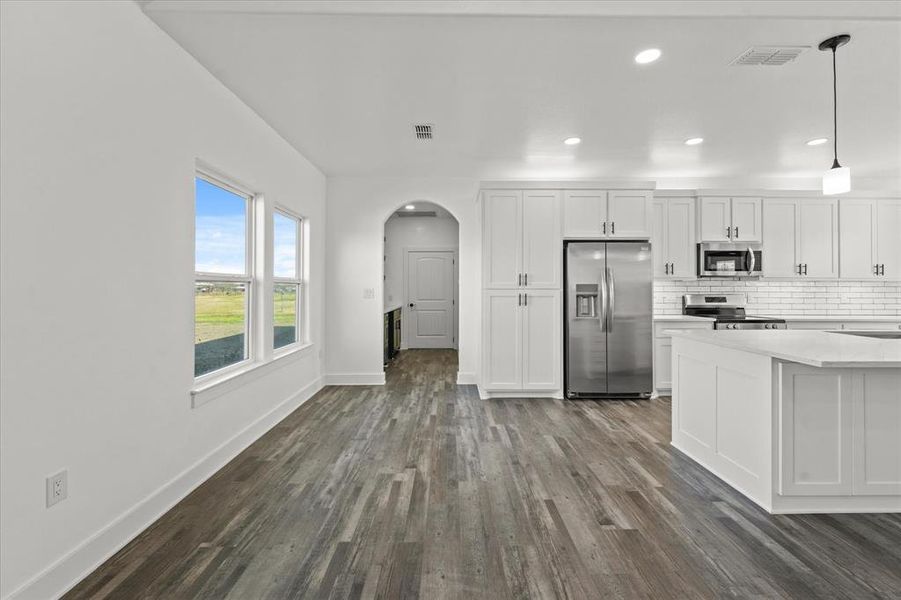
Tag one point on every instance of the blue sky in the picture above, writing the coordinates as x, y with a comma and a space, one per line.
221, 229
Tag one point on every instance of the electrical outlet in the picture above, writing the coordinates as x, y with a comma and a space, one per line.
57, 488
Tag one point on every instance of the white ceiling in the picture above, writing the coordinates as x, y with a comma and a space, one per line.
504, 91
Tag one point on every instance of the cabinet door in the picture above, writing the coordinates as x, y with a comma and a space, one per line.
877, 432
818, 237
659, 249
746, 220
502, 363
584, 213
542, 249
780, 243
503, 239
663, 364
541, 340
680, 237
856, 239
716, 219
628, 214
888, 237
815, 424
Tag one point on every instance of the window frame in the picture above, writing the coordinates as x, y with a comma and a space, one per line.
298, 280
248, 278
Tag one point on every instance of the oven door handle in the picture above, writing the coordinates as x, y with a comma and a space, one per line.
752, 261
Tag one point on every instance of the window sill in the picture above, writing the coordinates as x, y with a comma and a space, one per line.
210, 390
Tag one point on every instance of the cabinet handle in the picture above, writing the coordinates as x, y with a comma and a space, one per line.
519, 280
525, 279
736, 232
799, 269
525, 299
876, 269
805, 268
672, 268
729, 232
519, 301
604, 227
613, 228
666, 268
882, 268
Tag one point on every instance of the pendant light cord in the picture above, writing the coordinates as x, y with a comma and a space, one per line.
834, 112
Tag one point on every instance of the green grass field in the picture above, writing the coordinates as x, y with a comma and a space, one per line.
218, 314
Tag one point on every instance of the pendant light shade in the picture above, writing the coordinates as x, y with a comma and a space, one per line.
836, 180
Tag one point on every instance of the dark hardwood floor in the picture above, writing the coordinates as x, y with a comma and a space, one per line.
421, 489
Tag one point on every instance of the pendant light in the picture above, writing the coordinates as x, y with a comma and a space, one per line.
836, 180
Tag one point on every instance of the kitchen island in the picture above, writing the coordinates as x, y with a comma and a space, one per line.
797, 421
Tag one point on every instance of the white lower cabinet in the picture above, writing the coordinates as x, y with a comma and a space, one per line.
663, 350
840, 431
838, 325
522, 341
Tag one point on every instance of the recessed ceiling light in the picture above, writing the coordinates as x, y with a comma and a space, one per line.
647, 56
572, 141
693, 141
817, 142
410, 207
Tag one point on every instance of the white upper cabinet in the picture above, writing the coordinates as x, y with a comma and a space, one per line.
503, 239
522, 247
673, 237
600, 214
724, 219
746, 220
800, 237
584, 213
869, 239
818, 237
541, 239
888, 238
716, 219
628, 213
780, 241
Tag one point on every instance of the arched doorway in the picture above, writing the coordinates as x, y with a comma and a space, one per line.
420, 279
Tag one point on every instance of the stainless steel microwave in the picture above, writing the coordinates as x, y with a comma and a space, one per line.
730, 260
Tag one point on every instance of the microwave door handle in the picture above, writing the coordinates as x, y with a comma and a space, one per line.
752, 261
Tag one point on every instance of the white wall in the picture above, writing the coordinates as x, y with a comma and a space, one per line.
412, 232
102, 116
357, 210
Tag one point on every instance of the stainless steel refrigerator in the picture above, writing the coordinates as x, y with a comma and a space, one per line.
608, 319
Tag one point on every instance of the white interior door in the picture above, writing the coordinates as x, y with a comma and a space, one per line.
429, 321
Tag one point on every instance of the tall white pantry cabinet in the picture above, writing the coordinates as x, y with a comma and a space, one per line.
522, 292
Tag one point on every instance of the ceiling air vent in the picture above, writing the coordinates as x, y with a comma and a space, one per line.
424, 131
773, 56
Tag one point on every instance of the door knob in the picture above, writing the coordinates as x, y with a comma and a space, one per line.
411, 305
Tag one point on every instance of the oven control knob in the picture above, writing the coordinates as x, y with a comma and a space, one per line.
766, 326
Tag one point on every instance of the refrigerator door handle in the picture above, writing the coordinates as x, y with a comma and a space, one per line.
611, 305
602, 316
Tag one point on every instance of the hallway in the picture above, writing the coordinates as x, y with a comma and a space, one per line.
421, 489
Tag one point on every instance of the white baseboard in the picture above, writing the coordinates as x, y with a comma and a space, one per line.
467, 378
355, 379
61, 576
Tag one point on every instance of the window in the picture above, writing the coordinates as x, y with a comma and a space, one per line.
287, 288
222, 275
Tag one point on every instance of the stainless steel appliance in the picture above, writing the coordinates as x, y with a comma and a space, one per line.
608, 319
728, 310
730, 260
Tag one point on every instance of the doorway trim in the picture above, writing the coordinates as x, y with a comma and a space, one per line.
405, 306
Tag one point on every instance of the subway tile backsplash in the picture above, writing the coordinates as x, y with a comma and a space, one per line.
786, 298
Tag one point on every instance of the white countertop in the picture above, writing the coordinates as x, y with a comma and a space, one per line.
814, 348
860, 318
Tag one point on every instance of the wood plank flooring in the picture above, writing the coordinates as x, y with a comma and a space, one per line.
419, 489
